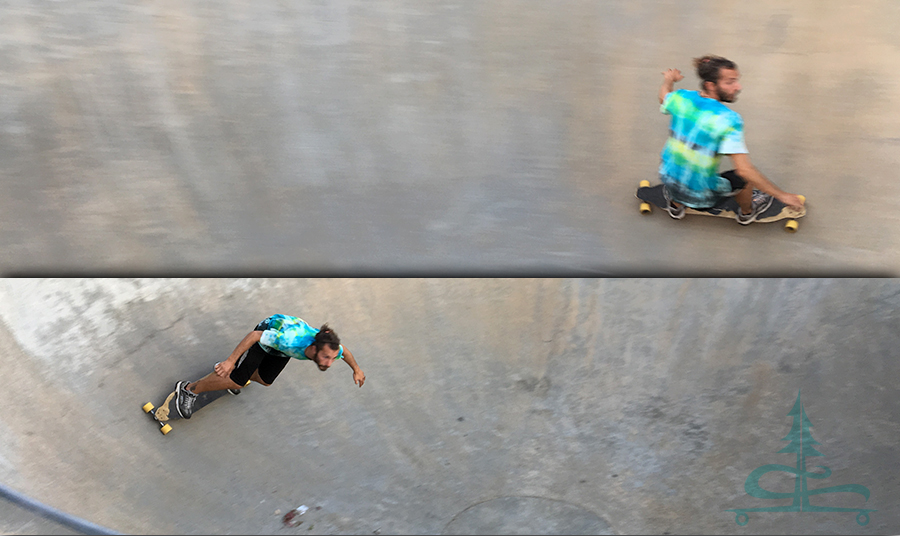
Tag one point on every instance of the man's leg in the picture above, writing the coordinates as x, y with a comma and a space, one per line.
741, 190
188, 391
744, 198
212, 382
257, 379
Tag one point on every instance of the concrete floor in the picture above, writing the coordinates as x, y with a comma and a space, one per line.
430, 137
502, 405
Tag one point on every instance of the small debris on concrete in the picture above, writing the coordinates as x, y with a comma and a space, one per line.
292, 518
278, 512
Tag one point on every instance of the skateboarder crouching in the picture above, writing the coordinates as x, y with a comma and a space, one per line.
703, 128
266, 351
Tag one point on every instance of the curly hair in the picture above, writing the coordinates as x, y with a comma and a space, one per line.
327, 336
709, 68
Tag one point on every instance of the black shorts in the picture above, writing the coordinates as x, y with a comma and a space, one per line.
257, 359
737, 182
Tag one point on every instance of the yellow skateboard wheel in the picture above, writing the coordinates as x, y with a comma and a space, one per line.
802, 198
165, 429
645, 184
791, 226
645, 208
148, 407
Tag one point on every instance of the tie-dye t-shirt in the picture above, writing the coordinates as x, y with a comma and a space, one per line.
288, 336
701, 130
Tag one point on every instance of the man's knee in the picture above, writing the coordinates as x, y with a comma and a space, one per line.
259, 380
234, 384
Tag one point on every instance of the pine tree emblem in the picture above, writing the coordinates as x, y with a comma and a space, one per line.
801, 443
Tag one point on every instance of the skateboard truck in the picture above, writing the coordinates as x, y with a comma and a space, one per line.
165, 427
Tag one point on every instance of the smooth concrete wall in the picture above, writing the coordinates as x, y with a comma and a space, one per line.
429, 136
559, 405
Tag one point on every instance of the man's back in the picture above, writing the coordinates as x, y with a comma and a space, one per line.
701, 130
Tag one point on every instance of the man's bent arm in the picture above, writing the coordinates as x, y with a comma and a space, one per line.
224, 368
669, 78
757, 180
245, 344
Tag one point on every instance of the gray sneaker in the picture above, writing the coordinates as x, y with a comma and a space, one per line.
675, 212
185, 401
761, 203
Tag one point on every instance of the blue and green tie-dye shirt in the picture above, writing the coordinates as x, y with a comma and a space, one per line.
701, 130
289, 336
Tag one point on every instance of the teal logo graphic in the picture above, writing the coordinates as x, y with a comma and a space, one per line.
801, 443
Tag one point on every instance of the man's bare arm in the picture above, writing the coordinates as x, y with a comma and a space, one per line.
359, 377
757, 180
224, 368
669, 78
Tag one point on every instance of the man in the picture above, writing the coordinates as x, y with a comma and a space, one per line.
703, 128
268, 349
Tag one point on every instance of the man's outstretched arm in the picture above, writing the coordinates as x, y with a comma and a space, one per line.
669, 78
757, 180
359, 378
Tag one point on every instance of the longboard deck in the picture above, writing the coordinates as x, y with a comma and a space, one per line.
167, 412
726, 209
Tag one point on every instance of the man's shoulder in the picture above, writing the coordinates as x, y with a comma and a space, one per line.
723, 110
683, 95
282, 322
287, 319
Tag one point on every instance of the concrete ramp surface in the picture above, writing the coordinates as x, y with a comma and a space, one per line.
486, 137
491, 406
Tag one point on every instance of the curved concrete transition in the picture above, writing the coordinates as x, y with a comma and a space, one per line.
526, 515
643, 405
446, 137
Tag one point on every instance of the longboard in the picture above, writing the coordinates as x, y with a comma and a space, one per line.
168, 412
653, 195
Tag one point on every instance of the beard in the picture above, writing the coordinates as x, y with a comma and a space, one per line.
724, 96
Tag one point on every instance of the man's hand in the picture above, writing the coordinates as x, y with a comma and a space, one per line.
757, 180
359, 377
669, 78
673, 75
224, 369
792, 200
